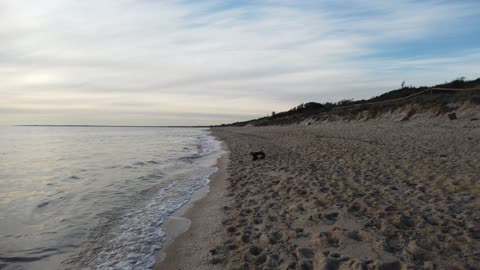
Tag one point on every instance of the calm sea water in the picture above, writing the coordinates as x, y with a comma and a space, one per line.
95, 197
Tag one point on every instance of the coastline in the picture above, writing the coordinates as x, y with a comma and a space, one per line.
194, 229
356, 195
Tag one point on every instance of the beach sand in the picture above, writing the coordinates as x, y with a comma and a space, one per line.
196, 228
338, 195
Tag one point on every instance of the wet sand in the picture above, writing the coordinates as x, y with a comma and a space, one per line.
196, 228
357, 195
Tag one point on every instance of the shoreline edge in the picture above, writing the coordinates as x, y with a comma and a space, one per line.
196, 227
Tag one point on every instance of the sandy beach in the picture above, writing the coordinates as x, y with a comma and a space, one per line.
340, 195
196, 228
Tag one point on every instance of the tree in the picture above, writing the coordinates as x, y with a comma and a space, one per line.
345, 102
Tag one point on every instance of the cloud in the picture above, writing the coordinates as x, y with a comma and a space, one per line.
181, 59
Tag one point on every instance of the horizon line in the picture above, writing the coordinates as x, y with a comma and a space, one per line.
169, 126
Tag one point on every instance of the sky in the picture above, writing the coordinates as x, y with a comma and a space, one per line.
152, 62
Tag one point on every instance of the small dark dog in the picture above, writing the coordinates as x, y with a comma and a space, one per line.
257, 155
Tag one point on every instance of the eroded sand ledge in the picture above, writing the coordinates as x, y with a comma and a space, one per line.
357, 195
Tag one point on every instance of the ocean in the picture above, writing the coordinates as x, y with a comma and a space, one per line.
95, 197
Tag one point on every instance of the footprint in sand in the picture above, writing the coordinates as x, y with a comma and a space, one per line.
327, 239
275, 237
354, 235
246, 237
329, 218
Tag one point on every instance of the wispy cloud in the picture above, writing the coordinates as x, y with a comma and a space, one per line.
167, 62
